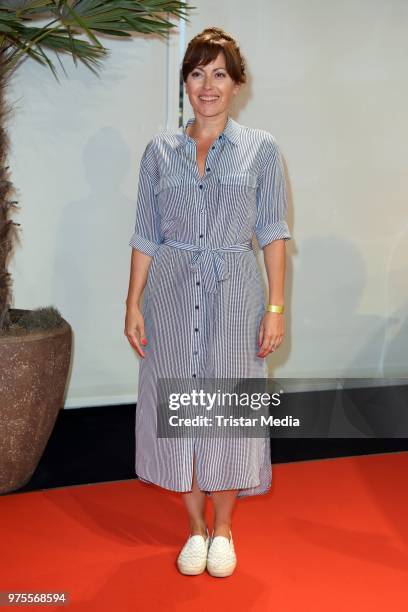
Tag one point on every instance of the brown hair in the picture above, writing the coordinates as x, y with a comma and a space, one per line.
205, 47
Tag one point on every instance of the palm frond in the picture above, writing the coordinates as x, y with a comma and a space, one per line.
68, 19
32, 42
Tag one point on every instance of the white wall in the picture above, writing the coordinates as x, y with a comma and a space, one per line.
328, 80
75, 150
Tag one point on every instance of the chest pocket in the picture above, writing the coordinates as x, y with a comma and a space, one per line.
168, 181
238, 180
170, 192
237, 193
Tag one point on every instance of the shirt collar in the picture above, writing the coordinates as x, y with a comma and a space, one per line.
232, 131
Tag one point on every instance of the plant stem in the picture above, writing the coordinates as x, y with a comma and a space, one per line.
6, 205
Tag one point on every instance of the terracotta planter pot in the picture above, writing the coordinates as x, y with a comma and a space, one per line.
33, 374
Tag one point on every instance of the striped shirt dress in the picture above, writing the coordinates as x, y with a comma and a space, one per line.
204, 296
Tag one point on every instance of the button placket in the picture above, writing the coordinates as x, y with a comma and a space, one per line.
196, 323
198, 293
202, 222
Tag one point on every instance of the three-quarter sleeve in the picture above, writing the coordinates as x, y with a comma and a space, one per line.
271, 200
146, 236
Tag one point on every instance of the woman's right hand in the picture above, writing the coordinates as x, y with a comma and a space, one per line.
134, 329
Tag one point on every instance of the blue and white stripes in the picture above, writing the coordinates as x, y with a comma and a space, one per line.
204, 296
244, 183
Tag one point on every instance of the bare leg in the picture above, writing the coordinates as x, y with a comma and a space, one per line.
224, 502
194, 502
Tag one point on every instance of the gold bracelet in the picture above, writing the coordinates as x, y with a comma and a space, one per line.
275, 308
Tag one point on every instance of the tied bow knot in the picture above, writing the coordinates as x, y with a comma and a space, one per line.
213, 267
210, 261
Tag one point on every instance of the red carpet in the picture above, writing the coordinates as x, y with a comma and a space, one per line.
330, 536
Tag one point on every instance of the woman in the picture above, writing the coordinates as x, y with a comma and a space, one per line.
204, 190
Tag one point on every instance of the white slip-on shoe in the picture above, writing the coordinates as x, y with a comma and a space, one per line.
192, 559
221, 558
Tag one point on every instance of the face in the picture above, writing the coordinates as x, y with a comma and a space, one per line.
210, 88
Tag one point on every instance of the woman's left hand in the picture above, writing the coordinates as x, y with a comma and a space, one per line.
271, 332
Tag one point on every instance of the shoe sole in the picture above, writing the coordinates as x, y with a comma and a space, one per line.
188, 571
222, 573
192, 571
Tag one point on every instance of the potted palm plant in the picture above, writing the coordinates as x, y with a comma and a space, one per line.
35, 345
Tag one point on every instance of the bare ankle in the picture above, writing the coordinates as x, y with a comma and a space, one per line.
198, 528
222, 529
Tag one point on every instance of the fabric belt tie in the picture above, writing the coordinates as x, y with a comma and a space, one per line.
211, 261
